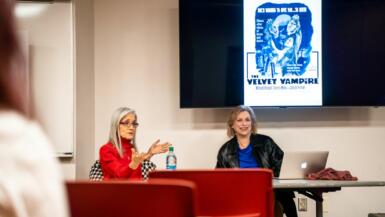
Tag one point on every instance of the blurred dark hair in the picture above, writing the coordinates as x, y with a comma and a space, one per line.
13, 88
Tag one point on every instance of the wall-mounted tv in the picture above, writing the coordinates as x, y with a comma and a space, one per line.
282, 53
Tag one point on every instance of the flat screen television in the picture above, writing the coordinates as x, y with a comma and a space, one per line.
282, 53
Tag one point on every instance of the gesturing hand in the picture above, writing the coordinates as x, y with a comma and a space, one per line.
136, 159
157, 148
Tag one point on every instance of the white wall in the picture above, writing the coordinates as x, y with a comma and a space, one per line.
136, 65
85, 91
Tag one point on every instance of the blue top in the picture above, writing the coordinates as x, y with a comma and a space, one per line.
246, 158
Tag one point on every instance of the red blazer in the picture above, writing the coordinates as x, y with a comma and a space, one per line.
116, 167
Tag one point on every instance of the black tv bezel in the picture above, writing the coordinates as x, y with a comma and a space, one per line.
182, 94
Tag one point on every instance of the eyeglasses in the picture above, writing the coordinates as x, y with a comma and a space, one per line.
128, 124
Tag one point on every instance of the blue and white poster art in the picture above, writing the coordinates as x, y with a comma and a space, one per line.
282, 53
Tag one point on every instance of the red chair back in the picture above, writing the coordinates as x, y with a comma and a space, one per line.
171, 198
229, 192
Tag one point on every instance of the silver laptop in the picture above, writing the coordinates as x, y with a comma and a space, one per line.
297, 165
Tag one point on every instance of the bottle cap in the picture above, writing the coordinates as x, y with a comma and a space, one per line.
171, 148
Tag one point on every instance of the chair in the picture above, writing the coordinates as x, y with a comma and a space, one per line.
229, 192
171, 198
96, 172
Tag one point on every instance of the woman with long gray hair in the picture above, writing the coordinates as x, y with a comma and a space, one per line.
119, 158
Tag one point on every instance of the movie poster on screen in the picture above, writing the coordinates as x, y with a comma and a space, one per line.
282, 53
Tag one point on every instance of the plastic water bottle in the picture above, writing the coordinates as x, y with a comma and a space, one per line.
171, 159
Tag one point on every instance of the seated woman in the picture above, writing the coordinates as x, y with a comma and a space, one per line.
119, 158
247, 149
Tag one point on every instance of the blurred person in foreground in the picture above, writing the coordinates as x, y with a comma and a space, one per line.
31, 184
120, 158
247, 149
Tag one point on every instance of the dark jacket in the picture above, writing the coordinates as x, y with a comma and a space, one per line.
266, 152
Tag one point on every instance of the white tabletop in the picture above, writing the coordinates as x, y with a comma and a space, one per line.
306, 184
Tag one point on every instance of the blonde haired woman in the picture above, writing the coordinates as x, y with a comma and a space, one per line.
247, 149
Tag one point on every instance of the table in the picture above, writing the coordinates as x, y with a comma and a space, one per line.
315, 188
